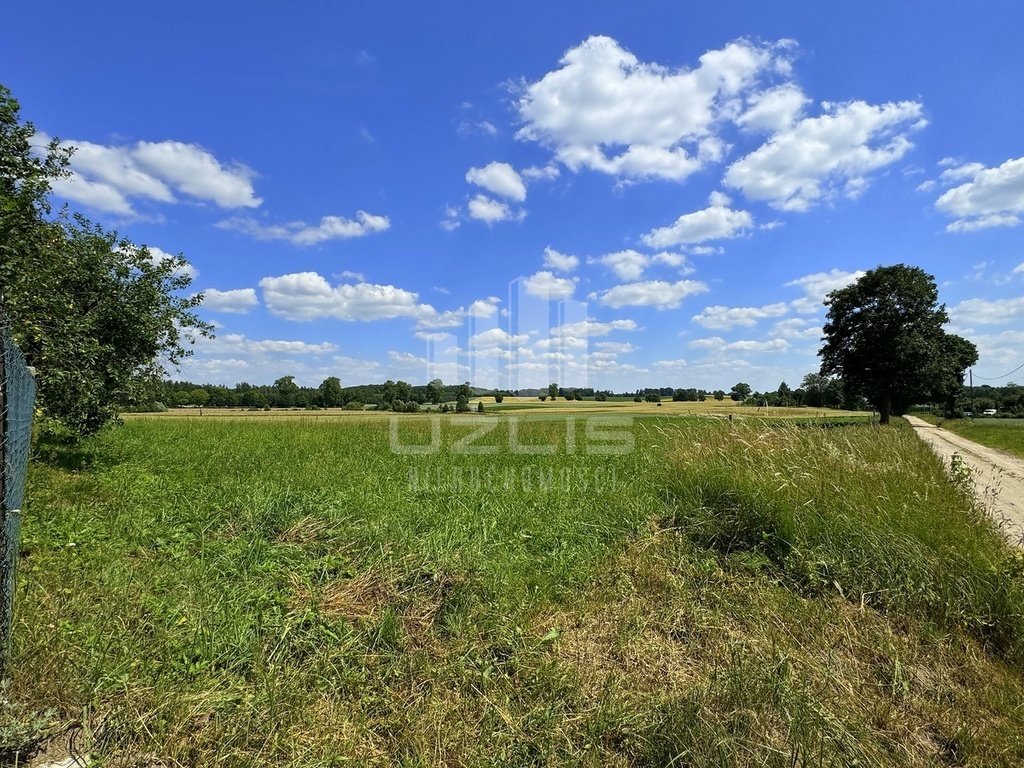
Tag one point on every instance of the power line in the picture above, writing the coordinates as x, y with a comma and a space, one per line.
996, 378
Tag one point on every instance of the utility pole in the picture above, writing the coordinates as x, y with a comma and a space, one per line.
970, 373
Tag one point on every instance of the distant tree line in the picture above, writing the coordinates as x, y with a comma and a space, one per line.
1007, 400
285, 393
815, 391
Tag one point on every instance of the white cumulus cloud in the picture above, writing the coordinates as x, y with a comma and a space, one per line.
500, 179
309, 296
819, 157
993, 197
988, 312
108, 178
606, 110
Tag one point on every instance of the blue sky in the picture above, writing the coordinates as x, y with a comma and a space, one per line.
602, 194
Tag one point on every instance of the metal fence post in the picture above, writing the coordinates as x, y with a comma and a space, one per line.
17, 403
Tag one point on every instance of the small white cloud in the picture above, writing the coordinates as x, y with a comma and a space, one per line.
482, 127
500, 179
562, 262
453, 318
959, 173
717, 344
497, 338
716, 222
652, 293
484, 308
452, 219
488, 210
547, 286
237, 301
432, 335
627, 265
591, 327
560, 342
631, 265
545, 173
300, 233
724, 318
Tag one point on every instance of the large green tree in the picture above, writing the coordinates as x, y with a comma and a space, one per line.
98, 317
331, 393
884, 338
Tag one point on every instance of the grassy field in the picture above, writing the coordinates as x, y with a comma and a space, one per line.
1004, 434
313, 591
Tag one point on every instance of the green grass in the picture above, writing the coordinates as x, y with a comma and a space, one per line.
294, 593
1003, 434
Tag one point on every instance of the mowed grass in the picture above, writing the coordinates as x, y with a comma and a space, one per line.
294, 592
1003, 434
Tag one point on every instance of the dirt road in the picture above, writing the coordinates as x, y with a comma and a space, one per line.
998, 477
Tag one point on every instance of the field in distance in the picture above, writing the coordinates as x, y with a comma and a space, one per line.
534, 406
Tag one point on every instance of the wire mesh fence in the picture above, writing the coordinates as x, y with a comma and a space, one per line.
17, 402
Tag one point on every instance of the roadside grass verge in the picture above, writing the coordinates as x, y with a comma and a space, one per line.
864, 512
295, 593
1002, 434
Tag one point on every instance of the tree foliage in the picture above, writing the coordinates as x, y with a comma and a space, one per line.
740, 391
331, 393
884, 338
98, 317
